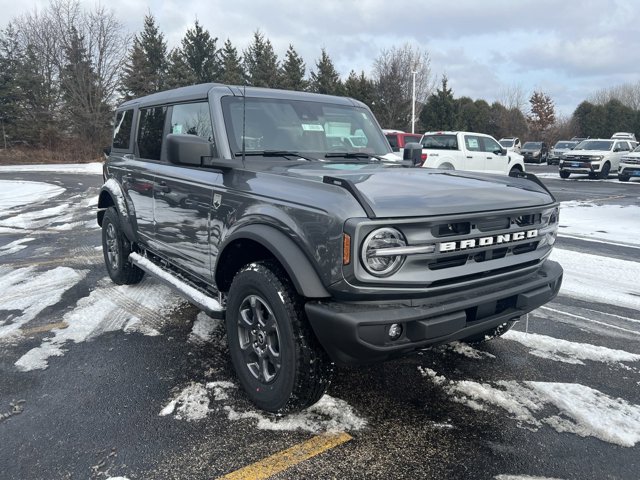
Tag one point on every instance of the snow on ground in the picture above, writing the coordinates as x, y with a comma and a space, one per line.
203, 328
17, 193
568, 352
599, 279
328, 415
14, 247
566, 407
26, 293
38, 218
94, 168
465, 350
613, 224
107, 308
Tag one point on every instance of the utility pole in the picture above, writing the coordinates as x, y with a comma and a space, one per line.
413, 104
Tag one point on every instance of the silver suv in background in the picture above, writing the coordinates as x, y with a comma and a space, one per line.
559, 150
595, 157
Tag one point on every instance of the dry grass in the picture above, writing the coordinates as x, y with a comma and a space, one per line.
66, 154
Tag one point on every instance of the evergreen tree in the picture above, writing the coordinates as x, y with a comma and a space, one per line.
261, 62
231, 65
201, 54
146, 68
439, 111
292, 71
361, 88
9, 90
325, 79
179, 73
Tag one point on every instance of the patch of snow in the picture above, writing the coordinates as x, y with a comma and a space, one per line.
36, 219
108, 308
30, 292
116, 191
568, 352
220, 389
94, 168
135, 325
14, 247
599, 279
329, 415
466, 350
522, 477
192, 403
203, 328
17, 193
608, 223
578, 409
181, 286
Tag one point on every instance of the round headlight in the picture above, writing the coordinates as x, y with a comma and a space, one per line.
374, 258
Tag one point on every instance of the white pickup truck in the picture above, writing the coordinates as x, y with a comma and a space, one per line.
475, 152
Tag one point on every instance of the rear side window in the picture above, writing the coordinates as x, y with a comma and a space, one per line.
440, 142
122, 129
150, 132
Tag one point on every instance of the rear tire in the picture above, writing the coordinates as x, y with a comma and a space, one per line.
277, 358
116, 249
490, 334
564, 174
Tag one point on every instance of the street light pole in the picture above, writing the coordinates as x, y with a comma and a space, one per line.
413, 104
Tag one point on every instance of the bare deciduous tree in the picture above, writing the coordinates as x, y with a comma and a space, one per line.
393, 77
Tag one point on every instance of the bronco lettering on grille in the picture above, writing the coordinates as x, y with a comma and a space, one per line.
486, 241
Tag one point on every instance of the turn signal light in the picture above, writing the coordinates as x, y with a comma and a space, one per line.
346, 249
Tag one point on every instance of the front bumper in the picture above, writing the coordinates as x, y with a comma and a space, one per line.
580, 167
629, 170
358, 332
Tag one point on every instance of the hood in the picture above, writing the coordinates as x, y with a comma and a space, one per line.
589, 152
393, 192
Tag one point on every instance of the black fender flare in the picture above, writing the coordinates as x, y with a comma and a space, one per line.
303, 275
111, 195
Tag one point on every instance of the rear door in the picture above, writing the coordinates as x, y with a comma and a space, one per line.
184, 196
474, 157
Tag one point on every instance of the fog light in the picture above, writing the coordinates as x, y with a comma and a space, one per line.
395, 330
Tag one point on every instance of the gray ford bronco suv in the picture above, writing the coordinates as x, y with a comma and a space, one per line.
285, 214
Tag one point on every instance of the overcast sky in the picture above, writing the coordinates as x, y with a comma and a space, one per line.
567, 49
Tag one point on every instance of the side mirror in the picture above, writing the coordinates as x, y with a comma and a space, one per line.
413, 154
107, 151
502, 151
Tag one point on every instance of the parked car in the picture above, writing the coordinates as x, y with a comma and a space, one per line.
511, 143
629, 165
475, 152
317, 254
534, 152
624, 136
559, 149
398, 139
596, 157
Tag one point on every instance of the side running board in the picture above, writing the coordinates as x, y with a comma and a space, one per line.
200, 299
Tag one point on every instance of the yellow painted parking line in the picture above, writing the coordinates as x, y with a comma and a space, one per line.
44, 328
288, 458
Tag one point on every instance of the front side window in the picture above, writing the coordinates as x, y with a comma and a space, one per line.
268, 124
122, 129
490, 145
150, 132
192, 119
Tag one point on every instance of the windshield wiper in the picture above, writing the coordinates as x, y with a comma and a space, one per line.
354, 155
276, 153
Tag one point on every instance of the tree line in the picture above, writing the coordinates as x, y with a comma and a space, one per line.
64, 70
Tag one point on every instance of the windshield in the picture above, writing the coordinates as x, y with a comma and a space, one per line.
300, 126
507, 143
594, 145
532, 145
565, 145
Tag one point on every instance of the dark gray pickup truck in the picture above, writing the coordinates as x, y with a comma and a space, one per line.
287, 214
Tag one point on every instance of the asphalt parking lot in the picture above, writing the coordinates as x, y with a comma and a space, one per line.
100, 381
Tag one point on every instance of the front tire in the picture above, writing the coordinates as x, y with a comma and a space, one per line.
116, 249
623, 178
277, 358
604, 173
564, 174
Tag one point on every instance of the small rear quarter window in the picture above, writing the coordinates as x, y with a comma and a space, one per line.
122, 129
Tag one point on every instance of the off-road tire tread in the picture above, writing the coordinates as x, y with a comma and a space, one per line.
129, 274
314, 368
